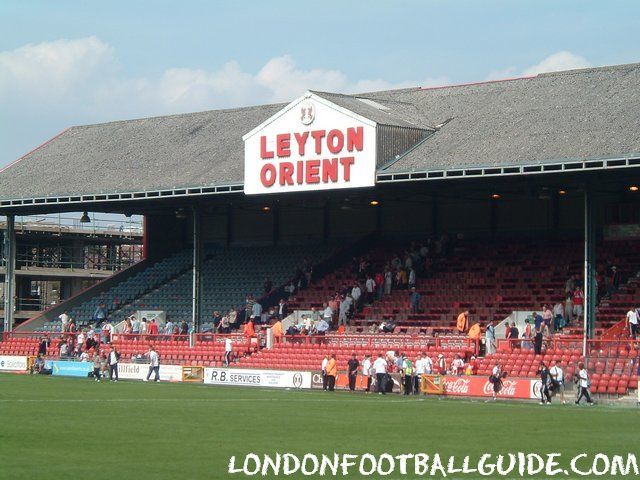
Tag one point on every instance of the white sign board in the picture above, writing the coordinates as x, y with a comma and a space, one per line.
257, 378
139, 371
13, 363
312, 144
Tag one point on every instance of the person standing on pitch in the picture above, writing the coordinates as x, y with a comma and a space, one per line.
325, 362
407, 370
114, 356
583, 385
332, 373
154, 365
353, 365
228, 350
557, 379
380, 368
545, 383
97, 365
366, 372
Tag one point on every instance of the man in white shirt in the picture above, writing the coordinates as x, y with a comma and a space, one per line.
228, 350
325, 379
154, 365
114, 356
632, 320
557, 379
380, 369
366, 371
327, 314
370, 287
356, 293
420, 366
583, 385
64, 320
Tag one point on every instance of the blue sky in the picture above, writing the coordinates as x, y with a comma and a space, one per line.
68, 62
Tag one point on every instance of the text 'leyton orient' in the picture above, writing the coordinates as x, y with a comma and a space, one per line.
324, 149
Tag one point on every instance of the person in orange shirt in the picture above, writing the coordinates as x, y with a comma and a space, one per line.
462, 323
332, 372
248, 330
277, 332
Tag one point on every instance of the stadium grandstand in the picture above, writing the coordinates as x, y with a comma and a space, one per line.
504, 199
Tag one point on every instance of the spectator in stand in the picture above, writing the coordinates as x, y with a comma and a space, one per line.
558, 319
135, 325
462, 323
475, 332
332, 373
114, 357
43, 346
268, 286
283, 309
256, 311
545, 384
249, 330
233, 318
152, 328
442, 365
414, 300
401, 279
514, 336
168, 327
100, 314
154, 365
380, 369
379, 279
612, 281
290, 288
127, 329
570, 285
184, 328
63, 349
228, 351
356, 293
537, 341
216, 319
388, 281
80, 339
327, 313
568, 309
343, 312
107, 331
490, 339
632, 320
370, 289
583, 385
457, 366
276, 329
472, 367
367, 367
144, 326
224, 325
527, 335
578, 302
547, 316
64, 321
411, 281
353, 365
322, 326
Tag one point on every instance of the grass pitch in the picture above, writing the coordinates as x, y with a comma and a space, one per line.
55, 428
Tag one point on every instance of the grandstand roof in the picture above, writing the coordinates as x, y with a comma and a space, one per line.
579, 114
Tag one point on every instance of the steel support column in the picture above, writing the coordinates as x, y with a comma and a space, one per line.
9, 276
197, 269
589, 269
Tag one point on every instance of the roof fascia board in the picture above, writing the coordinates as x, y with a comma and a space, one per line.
308, 96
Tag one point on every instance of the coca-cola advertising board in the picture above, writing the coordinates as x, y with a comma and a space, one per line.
480, 386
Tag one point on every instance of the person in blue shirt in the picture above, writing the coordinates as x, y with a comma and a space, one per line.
414, 300
100, 314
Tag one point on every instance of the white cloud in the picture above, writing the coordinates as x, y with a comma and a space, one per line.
48, 86
557, 62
